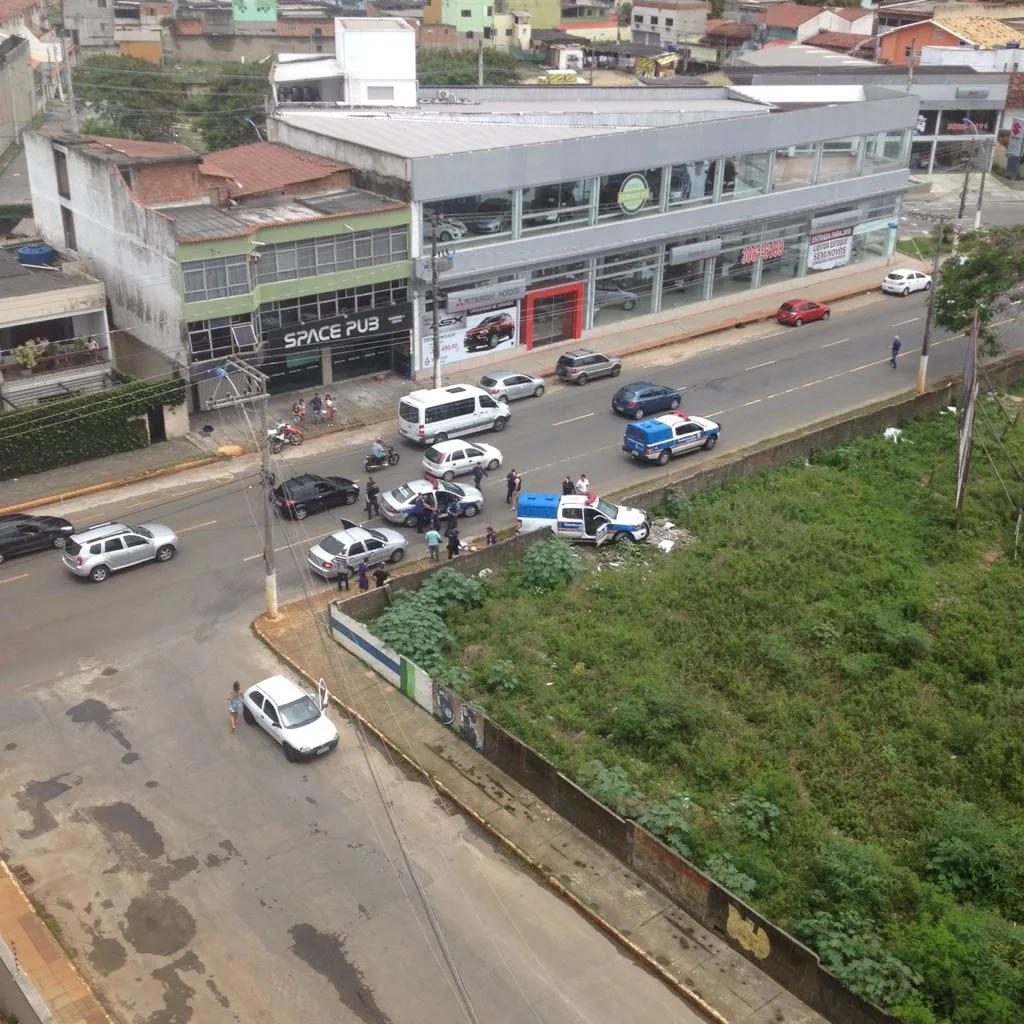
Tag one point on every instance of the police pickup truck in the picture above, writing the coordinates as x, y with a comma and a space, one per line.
584, 518
661, 437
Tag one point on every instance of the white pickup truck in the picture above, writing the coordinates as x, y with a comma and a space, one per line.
584, 518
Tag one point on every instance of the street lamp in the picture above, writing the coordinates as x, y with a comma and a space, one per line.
984, 171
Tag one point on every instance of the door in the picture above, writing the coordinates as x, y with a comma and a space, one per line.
271, 721
592, 522
553, 314
456, 461
324, 495
520, 387
29, 538
114, 553
137, 549
687, 437
374, 552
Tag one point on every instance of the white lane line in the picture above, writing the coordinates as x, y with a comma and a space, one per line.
251, 558
759, 366
198, 526
841, 341
11, 579
562, 423
912, 320
754, 402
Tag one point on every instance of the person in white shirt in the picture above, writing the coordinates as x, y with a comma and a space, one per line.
582, 485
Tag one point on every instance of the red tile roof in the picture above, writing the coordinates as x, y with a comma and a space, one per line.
788, 15
850, 14
267, 166
135, 149
10, 8
740, 30
839, 41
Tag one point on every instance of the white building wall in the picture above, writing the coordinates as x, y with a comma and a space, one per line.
1004, 59
132, 249
379, 64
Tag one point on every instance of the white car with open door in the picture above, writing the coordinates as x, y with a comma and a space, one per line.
291, 716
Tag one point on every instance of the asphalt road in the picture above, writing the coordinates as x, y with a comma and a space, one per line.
201, 875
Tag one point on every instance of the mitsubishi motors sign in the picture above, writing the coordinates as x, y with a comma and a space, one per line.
830, 249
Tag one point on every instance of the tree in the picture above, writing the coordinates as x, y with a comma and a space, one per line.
232, 109
129, 97
442, 67
626, 15
983, 277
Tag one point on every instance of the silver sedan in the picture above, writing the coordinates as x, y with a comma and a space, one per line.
341, 553
505, 385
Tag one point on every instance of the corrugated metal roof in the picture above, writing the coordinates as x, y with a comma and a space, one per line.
16, 279
306, 70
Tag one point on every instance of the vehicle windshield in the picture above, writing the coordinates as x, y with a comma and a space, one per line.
377, 535
408, 412
456, 489
142, 532
299, 712
606, 507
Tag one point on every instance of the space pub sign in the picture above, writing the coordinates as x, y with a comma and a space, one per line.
368, 325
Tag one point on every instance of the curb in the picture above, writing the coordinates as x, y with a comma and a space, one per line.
646, 346
642, 956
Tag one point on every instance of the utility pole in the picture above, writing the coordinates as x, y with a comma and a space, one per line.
435, 300
922, 366
480, 63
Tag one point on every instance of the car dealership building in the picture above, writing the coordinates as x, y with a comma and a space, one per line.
558, 210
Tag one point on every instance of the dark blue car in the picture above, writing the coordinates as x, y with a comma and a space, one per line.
641, 398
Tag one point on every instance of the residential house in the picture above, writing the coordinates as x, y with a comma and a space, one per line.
262, 253
903, 46
18, 96
727, 36
852, 43
797, 22
466, 22
665, 22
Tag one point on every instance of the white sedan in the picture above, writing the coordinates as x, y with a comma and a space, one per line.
447, 459
291, 716
903, 282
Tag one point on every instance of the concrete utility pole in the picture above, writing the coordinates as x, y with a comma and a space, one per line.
984, 171
480, 63
922, 366
435, 300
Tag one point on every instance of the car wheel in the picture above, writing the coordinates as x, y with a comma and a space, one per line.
628, 304
616, 370
674, 404
642, 533
289, 752
247, 716
906, 291
826, 314
410, 521
58, 543
581, 379
621, 536
165, 553
445, 236
499, 424
440, 438
492, 341
396, 556
99, 574
1, 558
663, 458
492, 465
349, 497
538, 391
639, 414
470, 511
798, 322
928, 287
300, 512
449, 476
710, 443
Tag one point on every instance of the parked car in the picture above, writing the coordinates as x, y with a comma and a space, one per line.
21, 534
290, 716
341, 553
396, 505
606, 293
583, 364
903, 282
642, 398
491, 217
447, 459
490, 332
308, 492
449, 229
797, 312
506, 385
111, 547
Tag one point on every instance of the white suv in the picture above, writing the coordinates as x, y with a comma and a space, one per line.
109, 547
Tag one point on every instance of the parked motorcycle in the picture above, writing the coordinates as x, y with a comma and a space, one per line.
282, 434
390, 458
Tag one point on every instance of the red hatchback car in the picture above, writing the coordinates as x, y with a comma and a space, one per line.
801, 311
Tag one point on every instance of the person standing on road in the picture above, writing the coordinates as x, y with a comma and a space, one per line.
419, 510
895, 351
316, 404
364, 575
302, 412
234, 705
510, 488
433, 539
583, 485
380, 576
343, 574
453, 543
478, 474
568, 487
516, 488
329, 408
372, 498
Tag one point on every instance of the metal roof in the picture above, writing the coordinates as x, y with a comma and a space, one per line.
18, 279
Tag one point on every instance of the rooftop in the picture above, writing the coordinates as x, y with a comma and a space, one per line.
845, 41
370, 24
987, 33
201, 221
800, 55
266, 166
123, 152
10, 8
18, 280
788, 15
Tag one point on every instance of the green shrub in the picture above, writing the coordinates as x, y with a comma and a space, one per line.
550, 565
722, 869
502, 678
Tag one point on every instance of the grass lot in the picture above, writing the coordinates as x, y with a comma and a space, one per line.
820, 701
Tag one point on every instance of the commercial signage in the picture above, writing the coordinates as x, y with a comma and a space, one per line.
972, 94
694, 251
494, 329
254, 10
1016, 141
830, 249
831, 221
634, 194
489, 295
767, 251
366, 326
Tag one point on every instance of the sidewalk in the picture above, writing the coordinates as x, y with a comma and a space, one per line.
708, 974
372, 401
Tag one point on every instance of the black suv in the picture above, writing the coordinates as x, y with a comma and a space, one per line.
490, 332
581, 365
311, 493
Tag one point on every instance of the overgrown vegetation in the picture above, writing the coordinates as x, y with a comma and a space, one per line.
819, 702
439, 67
91, 426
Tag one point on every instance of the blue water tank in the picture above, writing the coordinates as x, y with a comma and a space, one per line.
36, 255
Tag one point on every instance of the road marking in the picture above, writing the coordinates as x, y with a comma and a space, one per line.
11, 579
759, 366
912, 320
841, 341
562, 423
755, 401
198, 526
251, 558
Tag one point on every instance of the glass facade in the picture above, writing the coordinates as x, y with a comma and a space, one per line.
795, 167
840, 159
551, 207
469, 220
310, 257
744, 175
215, 278
690, 184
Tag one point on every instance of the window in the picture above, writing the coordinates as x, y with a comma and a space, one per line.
271, 713
469, 220
638, 19
488, 33
669, 22
469, 35
380, 93
908, 51
113, 545
627, 195
60, 165
257, 698
490, 12
289, 261
654, 20
745, 174
221, 336
885, 152
841, 159
691, 184
68, 220
135, 542
551, 207
215, 278
465, 13
794, 167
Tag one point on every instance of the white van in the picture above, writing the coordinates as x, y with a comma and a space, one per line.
435, 414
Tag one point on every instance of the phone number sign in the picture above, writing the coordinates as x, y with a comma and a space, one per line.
767, 251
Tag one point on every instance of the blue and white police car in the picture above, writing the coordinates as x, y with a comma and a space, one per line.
661, 437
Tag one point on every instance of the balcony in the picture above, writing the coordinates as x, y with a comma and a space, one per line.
64, 373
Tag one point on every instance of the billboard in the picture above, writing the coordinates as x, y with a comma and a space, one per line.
494, 329
830, 249
254, 10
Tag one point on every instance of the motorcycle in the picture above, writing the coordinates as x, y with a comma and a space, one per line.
282, 434
390, 458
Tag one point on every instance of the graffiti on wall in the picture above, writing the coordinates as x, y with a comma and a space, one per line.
452, 711
747, 934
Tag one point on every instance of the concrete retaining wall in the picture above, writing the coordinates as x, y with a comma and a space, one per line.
18, 998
